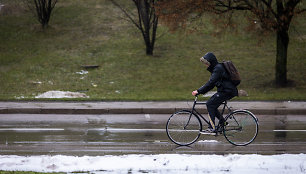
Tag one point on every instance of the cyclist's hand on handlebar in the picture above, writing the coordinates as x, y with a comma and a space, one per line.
195, 93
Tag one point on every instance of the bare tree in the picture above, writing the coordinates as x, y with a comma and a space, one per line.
272, 15
145, 20
42, 10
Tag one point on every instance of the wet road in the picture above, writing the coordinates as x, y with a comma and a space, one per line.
22, 134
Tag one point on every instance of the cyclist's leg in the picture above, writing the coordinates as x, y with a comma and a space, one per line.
214, 102
220, 117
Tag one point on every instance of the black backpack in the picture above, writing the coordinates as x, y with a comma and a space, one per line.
232, 71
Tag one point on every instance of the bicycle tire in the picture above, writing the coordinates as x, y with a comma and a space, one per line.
183, 128
241, 128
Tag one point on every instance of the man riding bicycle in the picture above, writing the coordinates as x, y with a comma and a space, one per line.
226, 90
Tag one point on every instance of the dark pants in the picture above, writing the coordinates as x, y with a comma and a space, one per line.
214, 102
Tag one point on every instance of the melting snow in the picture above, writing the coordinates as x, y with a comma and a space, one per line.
208, 141
62, 94
82, 72
164, 163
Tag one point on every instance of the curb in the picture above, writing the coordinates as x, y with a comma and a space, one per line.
146, 107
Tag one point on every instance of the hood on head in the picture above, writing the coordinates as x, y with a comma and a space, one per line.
211, 58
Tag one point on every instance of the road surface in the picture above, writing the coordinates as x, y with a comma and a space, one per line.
35, 134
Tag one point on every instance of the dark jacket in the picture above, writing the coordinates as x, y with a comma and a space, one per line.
219, 78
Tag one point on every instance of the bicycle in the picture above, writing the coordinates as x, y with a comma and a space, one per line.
184, 127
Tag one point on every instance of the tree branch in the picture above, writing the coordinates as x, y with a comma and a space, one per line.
126, 13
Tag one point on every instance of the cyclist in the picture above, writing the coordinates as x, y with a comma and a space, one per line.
226, 90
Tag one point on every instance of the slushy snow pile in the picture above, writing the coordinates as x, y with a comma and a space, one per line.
62, 94
163, 163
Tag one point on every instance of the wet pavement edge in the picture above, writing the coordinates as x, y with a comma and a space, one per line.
169, 107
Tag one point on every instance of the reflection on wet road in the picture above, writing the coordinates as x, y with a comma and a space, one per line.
135, 134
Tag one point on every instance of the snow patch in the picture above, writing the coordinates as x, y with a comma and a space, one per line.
163, 163
62, 94
82, 72
208, 141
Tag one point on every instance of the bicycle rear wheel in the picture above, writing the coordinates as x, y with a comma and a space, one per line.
183, 128
241, 128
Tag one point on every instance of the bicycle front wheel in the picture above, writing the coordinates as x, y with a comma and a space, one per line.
241, 128
183, 128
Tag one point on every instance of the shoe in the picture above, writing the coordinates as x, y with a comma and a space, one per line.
209, 131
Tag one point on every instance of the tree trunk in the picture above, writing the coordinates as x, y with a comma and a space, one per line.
281, 57
149, 21
151, 42
149, 50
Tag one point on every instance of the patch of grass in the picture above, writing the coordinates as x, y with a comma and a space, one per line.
91, 32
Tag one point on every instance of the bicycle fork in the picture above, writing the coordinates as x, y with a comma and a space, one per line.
188, 121
195, 101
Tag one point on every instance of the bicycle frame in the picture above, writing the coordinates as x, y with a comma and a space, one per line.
195, 112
